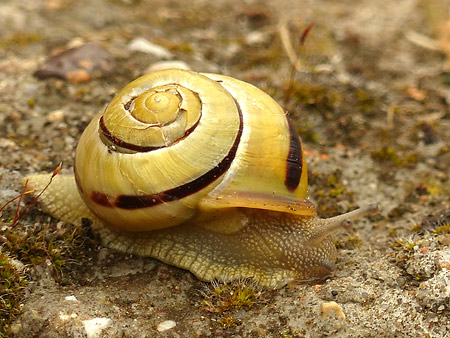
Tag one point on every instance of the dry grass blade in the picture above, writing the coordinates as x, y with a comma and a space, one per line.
24, 192
293, 56
19, 213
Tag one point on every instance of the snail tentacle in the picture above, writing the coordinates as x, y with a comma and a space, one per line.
328, 226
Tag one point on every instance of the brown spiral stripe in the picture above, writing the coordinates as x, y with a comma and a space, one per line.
294, 160
135, 147
145, 201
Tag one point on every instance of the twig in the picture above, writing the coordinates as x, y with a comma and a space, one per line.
422, 40
19, 215
287, 45
18, 196
390, 117
296, 65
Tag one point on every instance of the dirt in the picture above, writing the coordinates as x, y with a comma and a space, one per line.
370, 101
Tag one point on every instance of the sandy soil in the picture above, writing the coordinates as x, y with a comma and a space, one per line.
371, 103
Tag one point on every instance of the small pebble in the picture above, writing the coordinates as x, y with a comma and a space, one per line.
71, 298
94, 327
255, 37
172, 64
7, 194
64, 317
102, 254
78, 76
55, 116
145, 46
18, 265
77, 64
166, 325
328, 307
5, 143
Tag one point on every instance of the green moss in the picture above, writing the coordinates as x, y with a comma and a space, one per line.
404, 245
64, 247
227, 322
415, 228
443, 229
355, 241
223, 299
306, 132
428, 190
182, 47
444, 150
12, 283
329, 192
338, 244
350, 243
320, 97
399, 211
230, 297
391, 155
20, 39
439, 221
286, 332
129, 3
47, 242
366, 102
433, 186
446, 79
271, 53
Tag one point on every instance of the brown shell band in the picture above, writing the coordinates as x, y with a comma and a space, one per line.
134, 147
294, 160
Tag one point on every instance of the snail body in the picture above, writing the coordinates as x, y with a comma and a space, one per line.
201, 171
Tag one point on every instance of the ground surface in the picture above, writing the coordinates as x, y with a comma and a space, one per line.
370, 102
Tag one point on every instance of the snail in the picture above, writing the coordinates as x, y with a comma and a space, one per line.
201, 171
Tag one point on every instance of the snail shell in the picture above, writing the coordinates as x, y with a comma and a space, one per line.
201, 171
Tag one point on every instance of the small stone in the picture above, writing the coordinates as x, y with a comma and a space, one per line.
172, 64
16, 328
94, 327
55, 116
255, 37
166, 325
401, 281
77, 64
71, 298
328, 307
102, 254
78, 76
5, 144
18, 265
8, 194
145, 46
64, 317
69, 140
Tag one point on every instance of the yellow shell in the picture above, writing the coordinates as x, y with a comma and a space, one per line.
175, 143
